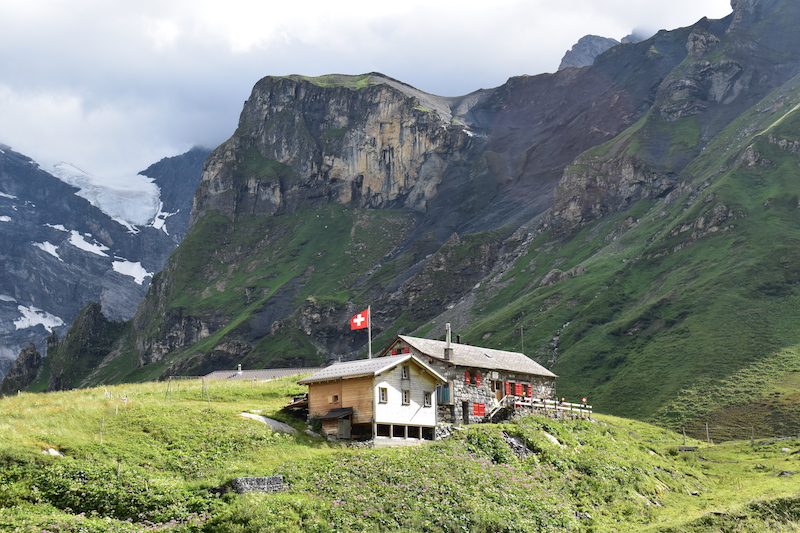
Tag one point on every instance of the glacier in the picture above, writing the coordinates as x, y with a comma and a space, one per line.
132, 202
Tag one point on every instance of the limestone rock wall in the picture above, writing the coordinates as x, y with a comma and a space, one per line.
300, 143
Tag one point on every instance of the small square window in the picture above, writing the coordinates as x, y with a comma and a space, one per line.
406, 396
334, 399
383, 394
427, 400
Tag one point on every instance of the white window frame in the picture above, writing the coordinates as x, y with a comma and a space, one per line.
405, 372
406, 397
427, 399
383, 394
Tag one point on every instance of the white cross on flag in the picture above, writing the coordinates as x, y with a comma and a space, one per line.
360, 321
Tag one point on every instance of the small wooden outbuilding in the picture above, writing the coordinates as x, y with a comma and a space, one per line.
390, 399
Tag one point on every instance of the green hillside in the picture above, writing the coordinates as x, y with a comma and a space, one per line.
687, 307
161, 456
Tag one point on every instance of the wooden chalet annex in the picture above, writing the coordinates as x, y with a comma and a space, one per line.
390, 397
477, 380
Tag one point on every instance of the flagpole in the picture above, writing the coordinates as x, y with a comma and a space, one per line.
369, 329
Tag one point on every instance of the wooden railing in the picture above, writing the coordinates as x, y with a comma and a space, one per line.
553, 405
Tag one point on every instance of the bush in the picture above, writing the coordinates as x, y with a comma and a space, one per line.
123, 494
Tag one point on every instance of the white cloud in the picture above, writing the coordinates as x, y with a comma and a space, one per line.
113, 87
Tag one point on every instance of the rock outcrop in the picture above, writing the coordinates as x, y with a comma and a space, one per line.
583, 53
23, 372
303, 143
88, 341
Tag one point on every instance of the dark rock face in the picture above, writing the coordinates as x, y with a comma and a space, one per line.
23, 372
59, 252
88, 341
586, 50
178, 178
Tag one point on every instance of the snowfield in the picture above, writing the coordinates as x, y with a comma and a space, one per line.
77, 240
48, 247
31, 317
134, 270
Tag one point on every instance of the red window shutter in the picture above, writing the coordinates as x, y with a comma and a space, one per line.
466, 378
394, 352
518, 389
530, 391
508, 388
478, 378
479, 409
405, 350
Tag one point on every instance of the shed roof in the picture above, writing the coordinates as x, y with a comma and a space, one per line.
477, 357
365, 367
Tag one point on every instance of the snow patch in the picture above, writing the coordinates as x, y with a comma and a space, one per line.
77, 240
50, 248
9, 196
132, 201
6, 298
59, 227
134, 270
32, 317
5, 219
160, 220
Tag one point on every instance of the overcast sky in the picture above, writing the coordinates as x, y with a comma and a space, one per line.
113, 86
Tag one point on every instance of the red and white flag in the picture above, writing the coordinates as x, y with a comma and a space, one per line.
360, 321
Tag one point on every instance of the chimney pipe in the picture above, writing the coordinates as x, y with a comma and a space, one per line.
448, 351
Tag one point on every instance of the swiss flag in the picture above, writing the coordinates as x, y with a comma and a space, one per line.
360, 321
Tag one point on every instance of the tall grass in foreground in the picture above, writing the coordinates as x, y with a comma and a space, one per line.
160, 457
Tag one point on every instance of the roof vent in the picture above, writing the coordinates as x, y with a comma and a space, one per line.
487, 355
448, 350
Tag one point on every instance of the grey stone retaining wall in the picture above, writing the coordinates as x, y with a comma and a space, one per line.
259, 484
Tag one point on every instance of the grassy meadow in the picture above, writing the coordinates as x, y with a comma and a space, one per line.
160, 457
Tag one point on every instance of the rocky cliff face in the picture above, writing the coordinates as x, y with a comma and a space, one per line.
306, 143
84, 347
586, 50
725, 73
23, 372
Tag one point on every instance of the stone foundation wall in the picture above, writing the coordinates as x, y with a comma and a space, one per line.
467, 395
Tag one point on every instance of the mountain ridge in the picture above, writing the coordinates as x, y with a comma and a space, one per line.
631, 222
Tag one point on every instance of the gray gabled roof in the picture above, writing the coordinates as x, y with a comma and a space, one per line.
477, 357
364, 367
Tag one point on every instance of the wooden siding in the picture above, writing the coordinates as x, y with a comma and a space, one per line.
355, 393
414, 413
